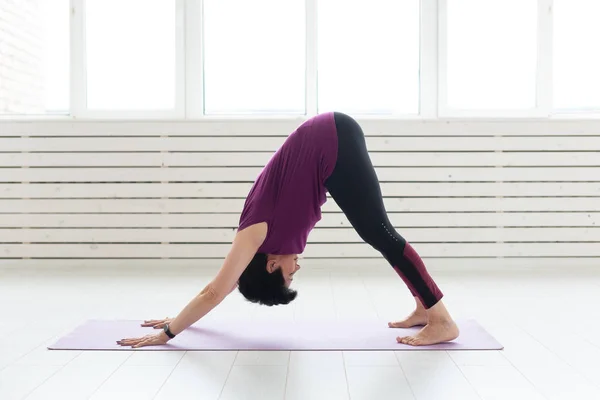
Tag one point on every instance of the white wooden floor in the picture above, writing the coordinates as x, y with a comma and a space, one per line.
548, 322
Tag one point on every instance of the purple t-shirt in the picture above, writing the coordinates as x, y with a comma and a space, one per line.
290, 190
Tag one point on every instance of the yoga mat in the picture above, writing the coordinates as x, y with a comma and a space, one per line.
280, 335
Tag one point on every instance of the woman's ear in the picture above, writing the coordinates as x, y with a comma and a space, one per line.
271, 266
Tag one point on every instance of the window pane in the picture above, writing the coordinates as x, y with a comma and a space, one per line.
576, 63
368, 56
254, 56
130, 54
34, 57
491, 54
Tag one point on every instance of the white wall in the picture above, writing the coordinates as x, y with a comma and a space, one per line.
480, 194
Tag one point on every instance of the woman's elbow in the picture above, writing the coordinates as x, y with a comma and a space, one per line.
213, 294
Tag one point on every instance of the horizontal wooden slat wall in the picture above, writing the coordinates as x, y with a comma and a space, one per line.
482, 193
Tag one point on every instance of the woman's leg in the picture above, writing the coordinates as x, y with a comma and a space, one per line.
355, 188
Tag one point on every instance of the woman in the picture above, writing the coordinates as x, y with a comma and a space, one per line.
327, 153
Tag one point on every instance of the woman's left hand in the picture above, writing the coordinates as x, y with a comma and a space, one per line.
155, 339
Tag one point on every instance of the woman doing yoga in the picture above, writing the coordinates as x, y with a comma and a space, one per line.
327, 153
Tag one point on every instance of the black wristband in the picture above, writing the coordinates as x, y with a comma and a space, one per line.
168, 331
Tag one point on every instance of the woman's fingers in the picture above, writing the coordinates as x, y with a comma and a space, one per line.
148, 340
132, 341
152, 322
124, 343
155, 322
131, 344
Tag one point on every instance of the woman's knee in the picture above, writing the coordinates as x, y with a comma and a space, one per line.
382, 237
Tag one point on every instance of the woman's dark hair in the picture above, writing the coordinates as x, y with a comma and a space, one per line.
261, 286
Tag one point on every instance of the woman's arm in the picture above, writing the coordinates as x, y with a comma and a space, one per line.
244, 247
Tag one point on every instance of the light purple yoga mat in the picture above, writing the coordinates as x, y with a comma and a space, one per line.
221, 335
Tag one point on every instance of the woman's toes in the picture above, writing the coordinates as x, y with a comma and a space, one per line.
409, 340
404, 340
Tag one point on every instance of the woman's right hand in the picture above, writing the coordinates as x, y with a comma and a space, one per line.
157, 323
245, 245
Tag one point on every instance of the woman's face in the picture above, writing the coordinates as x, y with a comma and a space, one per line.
288, 264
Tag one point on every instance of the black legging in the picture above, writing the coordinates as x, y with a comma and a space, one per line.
355, 188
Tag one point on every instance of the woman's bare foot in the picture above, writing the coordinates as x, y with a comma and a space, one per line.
434, 332
439, 326
417, 318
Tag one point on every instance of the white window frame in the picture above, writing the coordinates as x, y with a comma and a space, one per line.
428, 62
544, 82
194, 59
311, 94
427, 106
189, 102
542, 108
194, 55
568, 113
78, 81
